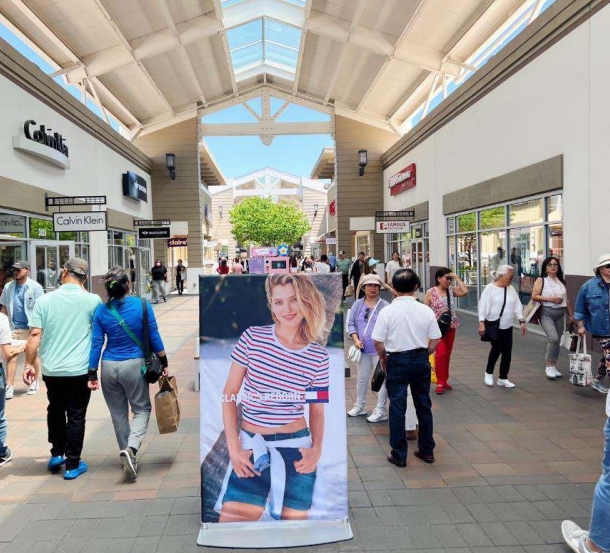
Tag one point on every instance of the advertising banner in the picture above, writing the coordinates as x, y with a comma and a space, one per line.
263, 251
273, 431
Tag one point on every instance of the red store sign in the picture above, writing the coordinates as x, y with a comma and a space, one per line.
404, 180
333, 208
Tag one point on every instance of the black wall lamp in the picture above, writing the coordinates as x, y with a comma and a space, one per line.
363, 160
220, 208
315, 210
170, 163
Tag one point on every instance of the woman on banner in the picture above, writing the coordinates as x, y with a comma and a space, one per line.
282, 367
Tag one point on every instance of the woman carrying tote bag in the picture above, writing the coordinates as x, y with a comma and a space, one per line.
498, 304
363, 315
123, 382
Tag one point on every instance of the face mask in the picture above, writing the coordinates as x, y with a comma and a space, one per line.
158, 264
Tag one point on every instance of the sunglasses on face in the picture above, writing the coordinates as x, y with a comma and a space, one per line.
606, 266
367, 313
15, 270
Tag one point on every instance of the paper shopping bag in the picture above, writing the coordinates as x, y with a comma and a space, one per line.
167, 407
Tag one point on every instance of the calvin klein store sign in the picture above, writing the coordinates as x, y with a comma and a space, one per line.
41, 143
83, 221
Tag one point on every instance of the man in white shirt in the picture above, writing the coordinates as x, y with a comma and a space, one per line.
405, 334
6, 352
322, 265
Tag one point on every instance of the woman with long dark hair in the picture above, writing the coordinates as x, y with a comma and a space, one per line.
123, 383
550, 290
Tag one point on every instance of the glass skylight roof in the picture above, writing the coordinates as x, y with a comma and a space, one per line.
264, 41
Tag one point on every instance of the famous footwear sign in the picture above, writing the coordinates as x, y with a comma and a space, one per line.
41, 143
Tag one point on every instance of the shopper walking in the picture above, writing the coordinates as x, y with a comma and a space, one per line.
441, 299
159, 280
357, 271
597, 539
237, 268
363, 316
395, 264
61, 327
550, 290
120, 323
344, 265
405, 334
322, 266
332, 261
18, 299
223, 268
6, 455
180, 277
591, 313
499, 301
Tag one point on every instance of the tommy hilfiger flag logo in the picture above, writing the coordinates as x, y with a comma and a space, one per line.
316, 395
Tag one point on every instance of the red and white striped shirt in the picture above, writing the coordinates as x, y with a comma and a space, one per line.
279, 381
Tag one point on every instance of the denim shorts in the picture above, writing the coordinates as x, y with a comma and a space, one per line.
298, 492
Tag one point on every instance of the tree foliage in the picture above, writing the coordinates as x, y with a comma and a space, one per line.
263, 222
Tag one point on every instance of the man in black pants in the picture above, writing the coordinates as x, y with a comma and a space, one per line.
65, 316
405, 334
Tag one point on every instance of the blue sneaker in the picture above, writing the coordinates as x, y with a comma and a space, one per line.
56, 462
75, 473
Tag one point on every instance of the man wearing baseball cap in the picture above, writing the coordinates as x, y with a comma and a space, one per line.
344, 264
61, 327
18, 299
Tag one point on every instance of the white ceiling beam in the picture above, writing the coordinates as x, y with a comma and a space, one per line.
536, 11
430, 95
377, 121
463, 65
337, 71
46, 30
281, 110
225, 44
119, 34
98, 101
189, 64
297, 75
272, 128
65, 70
381, 73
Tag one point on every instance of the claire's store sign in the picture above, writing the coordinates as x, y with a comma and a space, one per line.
390, 227
43, 144
403, 180
180, 242
82, 221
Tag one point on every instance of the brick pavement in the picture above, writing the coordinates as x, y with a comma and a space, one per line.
511, 464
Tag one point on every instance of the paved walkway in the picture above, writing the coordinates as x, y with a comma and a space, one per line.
511, 464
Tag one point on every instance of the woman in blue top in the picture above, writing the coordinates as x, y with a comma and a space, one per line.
123, 384
361, 323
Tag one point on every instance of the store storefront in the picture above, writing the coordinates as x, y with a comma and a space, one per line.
414, 250
521, 233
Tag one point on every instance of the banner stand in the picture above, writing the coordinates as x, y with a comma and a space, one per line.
266, 535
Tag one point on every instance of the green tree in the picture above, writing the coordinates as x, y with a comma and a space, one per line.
263, 222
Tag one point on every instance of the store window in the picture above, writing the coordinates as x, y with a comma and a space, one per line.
521, 234
363, 243
41, 229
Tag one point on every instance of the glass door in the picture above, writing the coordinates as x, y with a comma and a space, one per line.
419, 257
47, 259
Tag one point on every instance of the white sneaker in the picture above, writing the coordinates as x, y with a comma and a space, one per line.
9, 393
378, 416
575, 536
489, 379
557, 373
506, 383
550, 373
34, 388
357, 410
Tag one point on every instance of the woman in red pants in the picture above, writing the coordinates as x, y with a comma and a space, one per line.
441, 298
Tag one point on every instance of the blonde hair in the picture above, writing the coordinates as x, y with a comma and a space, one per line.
311, 303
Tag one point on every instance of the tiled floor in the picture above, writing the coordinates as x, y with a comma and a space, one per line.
511, 464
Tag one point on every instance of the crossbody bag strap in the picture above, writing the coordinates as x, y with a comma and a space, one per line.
448, 300
124, 326
370, 318
504, 303
145, 334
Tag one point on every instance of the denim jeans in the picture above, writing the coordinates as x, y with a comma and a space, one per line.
409, 368
3, 425
599, 531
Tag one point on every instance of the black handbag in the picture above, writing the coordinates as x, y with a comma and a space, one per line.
378, 378
492, 328
154, 370
444, 321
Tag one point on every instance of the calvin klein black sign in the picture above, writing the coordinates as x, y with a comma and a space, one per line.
43, 136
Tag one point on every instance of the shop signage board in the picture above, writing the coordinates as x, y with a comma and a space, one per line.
331, 241
151, 223
152, 233
80, 221
40, 143
403, 180
10, 224
390, 227
263, 251
180, 242
233, 349
135, 187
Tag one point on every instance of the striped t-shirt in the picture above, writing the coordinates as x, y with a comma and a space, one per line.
279, 381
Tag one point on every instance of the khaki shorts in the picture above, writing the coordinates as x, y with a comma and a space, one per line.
21, 333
